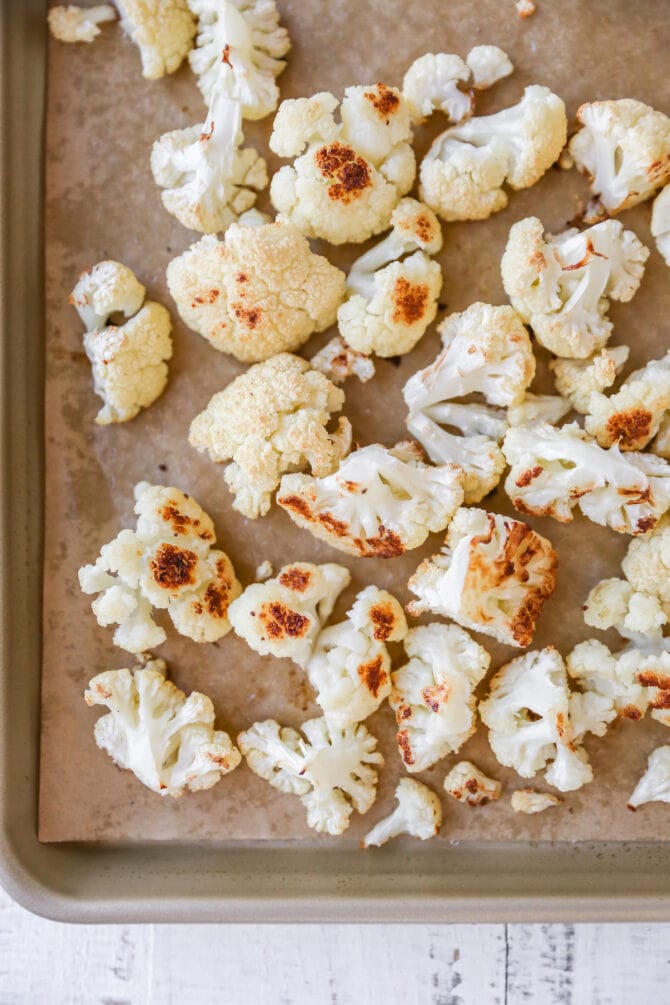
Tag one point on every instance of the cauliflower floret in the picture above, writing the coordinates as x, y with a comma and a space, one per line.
337, 360
472, 419
246, 36
78, 24
654, 786
433, 694
346, 185
463, 172
418, 813
284, 615
647, 564
260, 292
531, 801
554, 470
270, 420
632, 416
167, 740
626, 683
466, 783
391, 305
624, 147
163, 31
536, 408
577, 379
208, 177
380, 502
486, 349
528, 716
613, 603
493, 575
105, 289
560, 284
334, 771
350, 668
431, 84
168, 563
488, 64
660, 223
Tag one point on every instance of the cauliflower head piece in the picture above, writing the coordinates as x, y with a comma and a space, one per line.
488, 64
380, 502
531, 801
433, 694
163, 31
270, 420
536, 408
418, 814
654, 785
350, 668
259, 292
561, 284
167, 563
493, 575
463, 173
624, 148
577, 379
623, 684
78, 24
167, 740
660, 223
467, 784
632, 417
105, 289
433, 83
352, 174
646, 564
338, 360
284, 615
333, 770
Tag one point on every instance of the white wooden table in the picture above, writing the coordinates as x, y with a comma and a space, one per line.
44, 963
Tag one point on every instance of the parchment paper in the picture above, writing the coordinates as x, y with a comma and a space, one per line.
102, 202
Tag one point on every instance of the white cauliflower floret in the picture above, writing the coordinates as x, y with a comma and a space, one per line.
208, 178
528, 716
554, 470
536, 408
78, 24
432, 84
654, 786
433, 694
624, 147
471, 419
626, 683
244, 35
270, 420
105, 289
284, 615
486, 349
493, 575
380, 502
531, 801
660, 223
632, 416
463, 173
488, 64
334, 771
467, 784
661, 442
167, 740
350, 178
613, 603
168, 563
418, 813
337, 360
647, 564
577, 379
561, 284
391, 303
163, 31
350, 668
259, 292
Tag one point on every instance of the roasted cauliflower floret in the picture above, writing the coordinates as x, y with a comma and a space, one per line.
337, 360
391, 302
350, 668
660, 223
270, 420
418, 814
561, 284
536, 408
167, 740
531, 801
493, 575
162, 30
259, 292
245, 37
624, 148
432, 84
623, 684
632, 416
334, 771
433, 694
105, 289
463, 173
284, 615
577, 379
347, 183
488, 64
168, 563
554, 470
380, 502
78, 24
646, 564
654, 786
466, 783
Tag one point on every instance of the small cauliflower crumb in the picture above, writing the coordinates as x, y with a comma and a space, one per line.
163, 30
418, 814
525, 8
466, 783
531, 801
337, 360
78, 24
264, 571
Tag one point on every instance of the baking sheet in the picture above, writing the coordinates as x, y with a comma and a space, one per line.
101, 202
